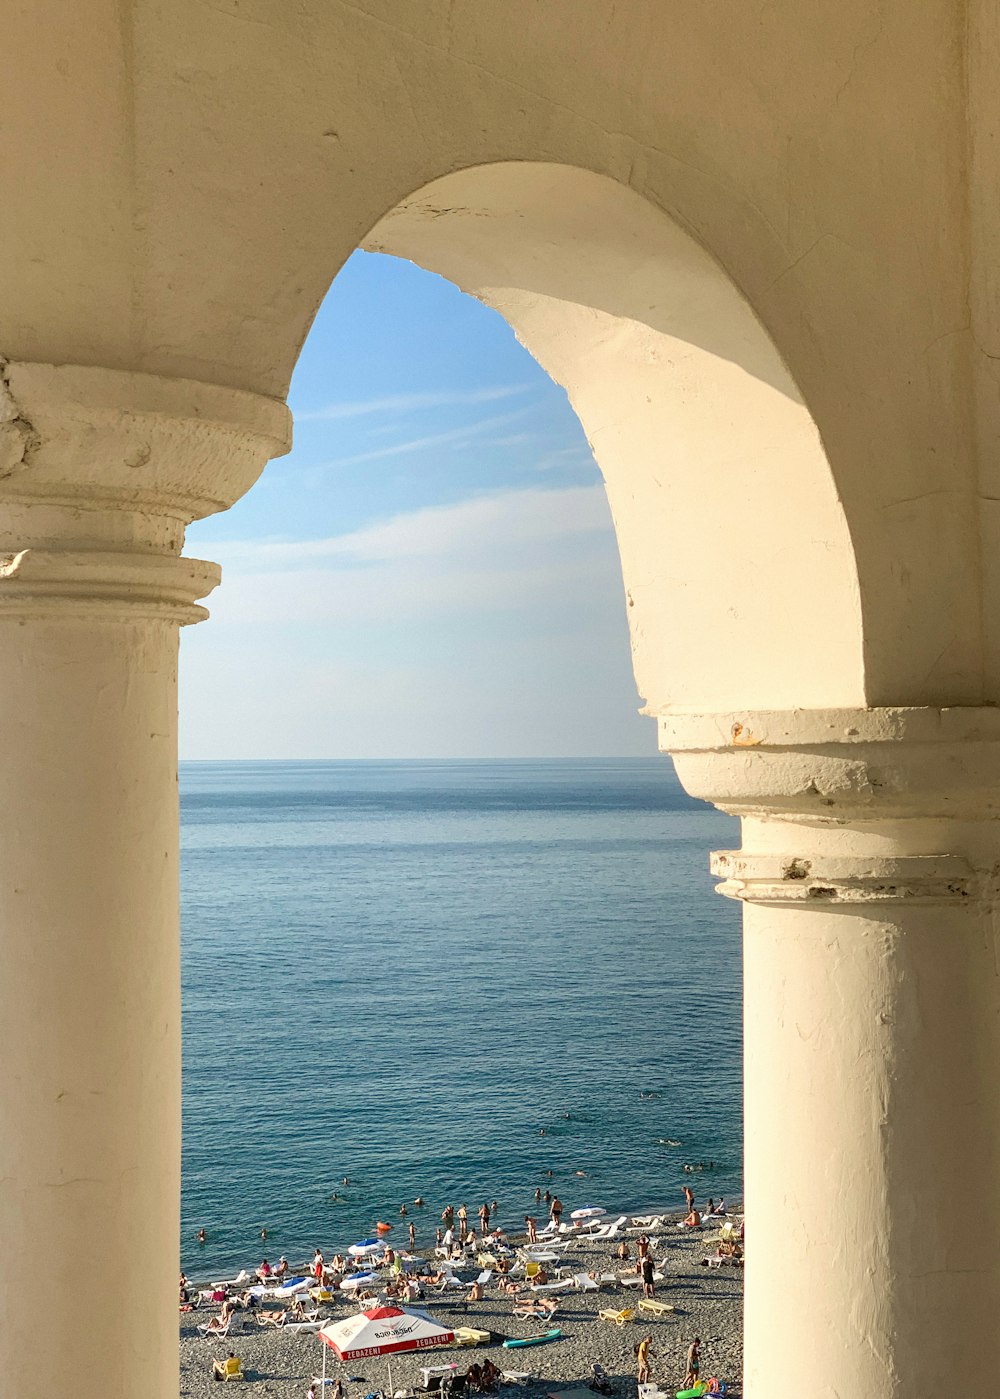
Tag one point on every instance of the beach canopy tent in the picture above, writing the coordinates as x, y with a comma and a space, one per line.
382, 1331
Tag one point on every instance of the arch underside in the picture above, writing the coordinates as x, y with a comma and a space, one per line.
739, 573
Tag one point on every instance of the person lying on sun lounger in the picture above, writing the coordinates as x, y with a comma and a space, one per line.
540, 1306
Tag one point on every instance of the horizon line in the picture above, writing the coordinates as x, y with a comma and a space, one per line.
453, 758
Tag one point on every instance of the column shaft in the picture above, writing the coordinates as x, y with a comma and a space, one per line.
90, 1006
872, 1259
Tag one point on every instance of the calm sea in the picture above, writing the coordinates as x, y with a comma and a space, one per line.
406, 972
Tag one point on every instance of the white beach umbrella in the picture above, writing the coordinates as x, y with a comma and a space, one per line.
589, 1212
382, 1331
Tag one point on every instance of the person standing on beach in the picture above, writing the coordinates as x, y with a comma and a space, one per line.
642, 1244
646, 1271
644, 1353
689, 1197
463, 1220
484, 1218
557, 1209
413, 1238
532, 1226
693, 1363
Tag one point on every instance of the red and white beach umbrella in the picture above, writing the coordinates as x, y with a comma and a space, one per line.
383, 1331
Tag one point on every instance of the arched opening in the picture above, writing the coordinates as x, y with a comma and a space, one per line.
730, 530
539, 938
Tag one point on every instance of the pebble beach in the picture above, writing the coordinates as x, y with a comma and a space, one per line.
706, 1302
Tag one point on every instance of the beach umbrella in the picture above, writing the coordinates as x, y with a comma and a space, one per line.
293, 1285
362, 1250
382, 1331
589, 1212
357, 1280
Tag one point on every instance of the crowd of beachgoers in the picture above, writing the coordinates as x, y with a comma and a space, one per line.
581, 1299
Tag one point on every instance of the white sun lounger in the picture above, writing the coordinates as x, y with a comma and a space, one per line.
583, 1283
429, 1371
566, 1285
610, 1231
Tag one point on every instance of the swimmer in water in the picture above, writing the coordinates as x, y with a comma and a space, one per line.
541, 1131
419, 1200
402, 1209
346, 1180
202, 1236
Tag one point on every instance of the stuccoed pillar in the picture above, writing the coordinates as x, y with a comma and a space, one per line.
99, 473
868, 875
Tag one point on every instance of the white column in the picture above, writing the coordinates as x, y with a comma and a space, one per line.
872, 1041
103, 471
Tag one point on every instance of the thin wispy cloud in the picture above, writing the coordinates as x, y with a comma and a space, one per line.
452, 437
410, 403
471, 533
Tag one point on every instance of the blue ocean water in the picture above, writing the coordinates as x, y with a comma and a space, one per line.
406, 972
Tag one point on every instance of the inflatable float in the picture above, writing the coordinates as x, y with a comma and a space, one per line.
552, 1335
382, 1228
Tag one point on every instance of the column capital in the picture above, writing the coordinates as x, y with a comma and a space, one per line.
82, 435
101, 470
841, 766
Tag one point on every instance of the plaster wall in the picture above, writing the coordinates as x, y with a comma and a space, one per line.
182, 182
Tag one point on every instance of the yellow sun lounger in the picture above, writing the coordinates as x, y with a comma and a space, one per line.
469, 1336
619, 1318
655, 1308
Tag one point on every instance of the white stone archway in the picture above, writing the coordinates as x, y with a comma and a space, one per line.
180, 184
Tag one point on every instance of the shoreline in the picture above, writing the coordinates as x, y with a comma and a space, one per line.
708, 1302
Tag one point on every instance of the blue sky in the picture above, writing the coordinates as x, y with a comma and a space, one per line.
432, 571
